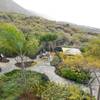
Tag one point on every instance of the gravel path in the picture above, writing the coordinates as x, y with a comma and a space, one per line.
8, 67
47, 69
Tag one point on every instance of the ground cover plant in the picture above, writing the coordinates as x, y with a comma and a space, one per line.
38, 86
72, 67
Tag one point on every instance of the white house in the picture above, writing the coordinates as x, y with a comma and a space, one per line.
71, 51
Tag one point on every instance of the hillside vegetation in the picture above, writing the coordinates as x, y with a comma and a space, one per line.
26, 36
67, 33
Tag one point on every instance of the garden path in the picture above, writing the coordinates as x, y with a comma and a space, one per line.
43, 66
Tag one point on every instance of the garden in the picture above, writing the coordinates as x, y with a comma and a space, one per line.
36, 87
25, 84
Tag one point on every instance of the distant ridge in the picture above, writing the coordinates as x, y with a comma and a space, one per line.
11, 6
83, 28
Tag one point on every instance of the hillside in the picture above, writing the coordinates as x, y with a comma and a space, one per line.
69, 34
11, 6
30, 24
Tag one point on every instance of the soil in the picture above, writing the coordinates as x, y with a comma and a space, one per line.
29, 96
4, 60
26, 64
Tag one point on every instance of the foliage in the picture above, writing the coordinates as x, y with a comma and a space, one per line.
13, 41
77, 61
93, 62
77, 94
39, 85
56, 60
77, 75
12, 86
60, 92
93, 48
48, 40
73, 68
36, 26
48, 37
91, 52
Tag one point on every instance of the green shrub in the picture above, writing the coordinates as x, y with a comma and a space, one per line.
39, 86
52, 91
55, 61
13, 86
77, 75
30, 76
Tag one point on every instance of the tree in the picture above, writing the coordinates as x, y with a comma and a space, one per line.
12, 40
49, 39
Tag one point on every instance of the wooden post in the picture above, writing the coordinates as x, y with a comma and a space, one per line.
91, 93
98, 95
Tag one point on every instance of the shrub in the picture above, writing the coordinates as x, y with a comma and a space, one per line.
77, 75
52, 91
56, 60
93, 48
73, 68
37, 87
12, 86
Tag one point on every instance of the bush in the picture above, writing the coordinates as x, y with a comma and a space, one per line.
37, 86
37, 77
56, 60
52, 91
77, 75
13, 86
73, 68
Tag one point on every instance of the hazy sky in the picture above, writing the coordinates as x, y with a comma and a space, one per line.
83, 12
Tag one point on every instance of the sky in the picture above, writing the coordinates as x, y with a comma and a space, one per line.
81, 12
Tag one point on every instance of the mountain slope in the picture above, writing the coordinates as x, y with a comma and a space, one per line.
69, 34
11, 6
74, 35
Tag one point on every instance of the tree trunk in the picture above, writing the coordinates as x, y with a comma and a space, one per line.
23, 70
53, 45
49, 44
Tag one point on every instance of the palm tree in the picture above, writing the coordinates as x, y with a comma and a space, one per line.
12, 40
49, 39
